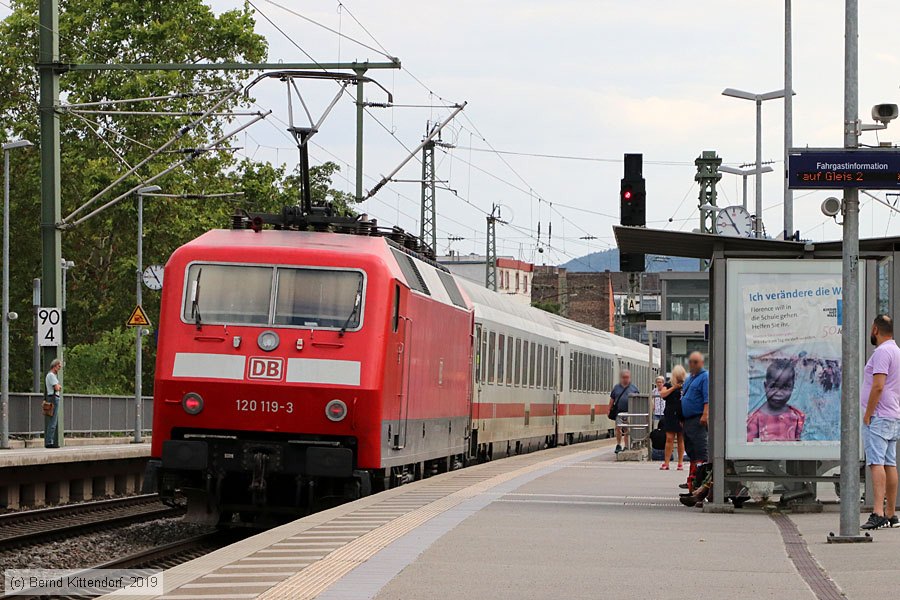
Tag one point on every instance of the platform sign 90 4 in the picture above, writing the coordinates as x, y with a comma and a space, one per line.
49, 326
818, 169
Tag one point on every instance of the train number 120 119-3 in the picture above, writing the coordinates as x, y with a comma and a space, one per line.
268, 406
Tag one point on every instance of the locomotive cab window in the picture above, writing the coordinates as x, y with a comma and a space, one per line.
228, 294
319, 298
303, 297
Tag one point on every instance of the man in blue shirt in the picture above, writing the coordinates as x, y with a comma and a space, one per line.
619, 397
695, 408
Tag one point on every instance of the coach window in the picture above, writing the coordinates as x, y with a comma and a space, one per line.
509, 361
492, 338
576, 372
547, 362
531, 359
518, 365
477, 353
539, 378
501, 357
484, 353
524, 363
318, 298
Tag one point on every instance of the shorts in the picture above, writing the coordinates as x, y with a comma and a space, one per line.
696, 440
620, 420
880, 438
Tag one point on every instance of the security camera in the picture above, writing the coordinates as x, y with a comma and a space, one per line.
884, 113
831, 207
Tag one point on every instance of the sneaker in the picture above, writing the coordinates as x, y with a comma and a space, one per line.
875, 522
894, 521
683, 486
618, 448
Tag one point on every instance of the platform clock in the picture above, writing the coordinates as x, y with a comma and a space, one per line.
153, 277
734, 221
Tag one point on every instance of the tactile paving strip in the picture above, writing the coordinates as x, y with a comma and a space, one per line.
810, 570
305, 563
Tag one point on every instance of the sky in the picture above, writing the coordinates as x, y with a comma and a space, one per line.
587, 79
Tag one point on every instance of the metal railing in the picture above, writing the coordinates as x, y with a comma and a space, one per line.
83, 414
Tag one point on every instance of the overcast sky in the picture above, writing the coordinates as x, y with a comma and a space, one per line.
592, 79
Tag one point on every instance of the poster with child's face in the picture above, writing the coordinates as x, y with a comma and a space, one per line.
784, 360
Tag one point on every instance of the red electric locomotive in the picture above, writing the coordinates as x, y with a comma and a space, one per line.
295, 367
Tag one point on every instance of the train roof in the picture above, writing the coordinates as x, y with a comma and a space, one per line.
222, 238
503, 309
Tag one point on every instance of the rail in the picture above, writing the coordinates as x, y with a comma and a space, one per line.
83, 414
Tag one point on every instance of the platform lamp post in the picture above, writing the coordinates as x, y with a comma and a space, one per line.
744, 173
138, 363
7, 316
759, 99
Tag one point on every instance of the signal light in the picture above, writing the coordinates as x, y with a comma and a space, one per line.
632, 207
336, 410
192, 403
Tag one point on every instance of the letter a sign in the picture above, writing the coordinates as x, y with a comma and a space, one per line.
138, 318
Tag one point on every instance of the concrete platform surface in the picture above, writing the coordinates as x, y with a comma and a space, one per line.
23, 457
564, 523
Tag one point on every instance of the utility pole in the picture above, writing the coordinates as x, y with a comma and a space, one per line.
849, 528
490, 255
428, 229
51, 239
707, 176
360, 107
788, 119
428, 221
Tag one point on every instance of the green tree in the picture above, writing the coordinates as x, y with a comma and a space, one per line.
100, 288
549, 306
103, 248
105, 366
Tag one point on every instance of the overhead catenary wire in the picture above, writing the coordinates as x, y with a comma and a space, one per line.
334, 31
179, 134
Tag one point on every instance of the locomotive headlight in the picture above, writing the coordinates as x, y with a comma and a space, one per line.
336, 410
192, 403
267, 341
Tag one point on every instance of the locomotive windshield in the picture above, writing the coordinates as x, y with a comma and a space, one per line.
287, 296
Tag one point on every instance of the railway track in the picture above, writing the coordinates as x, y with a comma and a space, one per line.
37, 526
160, 557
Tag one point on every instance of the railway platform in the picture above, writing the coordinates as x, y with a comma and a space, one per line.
568, 523
34, 477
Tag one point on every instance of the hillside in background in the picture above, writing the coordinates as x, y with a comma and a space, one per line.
609, 260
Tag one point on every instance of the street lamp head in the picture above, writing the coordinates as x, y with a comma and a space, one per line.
150, 189
744, 172
755, 97
738, 94
16, 144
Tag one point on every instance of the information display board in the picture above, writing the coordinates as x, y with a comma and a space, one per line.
833, 168
783, 359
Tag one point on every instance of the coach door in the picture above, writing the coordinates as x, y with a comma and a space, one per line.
559, 395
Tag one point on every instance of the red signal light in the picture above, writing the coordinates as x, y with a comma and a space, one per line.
192, 403
336, 410
627, 194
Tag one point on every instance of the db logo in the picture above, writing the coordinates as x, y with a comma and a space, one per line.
266, 368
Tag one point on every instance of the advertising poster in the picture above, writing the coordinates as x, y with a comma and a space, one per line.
784, 359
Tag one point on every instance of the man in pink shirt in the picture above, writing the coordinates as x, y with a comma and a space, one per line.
880, 397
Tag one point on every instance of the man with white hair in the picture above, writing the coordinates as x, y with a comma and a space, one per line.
51, 420
619, 399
